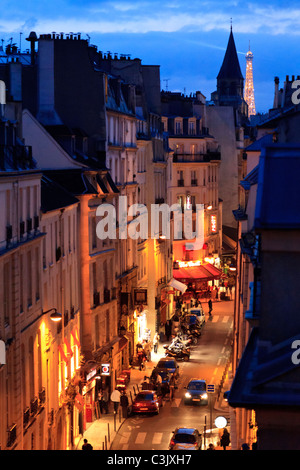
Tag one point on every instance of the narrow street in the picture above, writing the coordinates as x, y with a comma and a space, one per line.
207, 361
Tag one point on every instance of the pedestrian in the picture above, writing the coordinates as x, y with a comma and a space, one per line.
225, 439
155, 342
115, 398
147, 350
211, 447
124, 402
105, 400
86, 445
168, 329
100, 400
210, 306
172, 387
245, 446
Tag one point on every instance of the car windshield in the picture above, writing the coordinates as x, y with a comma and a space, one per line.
166, 365
144, 396
197, 386
186, 438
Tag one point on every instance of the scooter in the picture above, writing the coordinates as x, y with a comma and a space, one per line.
178, 352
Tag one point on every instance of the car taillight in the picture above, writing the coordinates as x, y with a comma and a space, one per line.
172, 442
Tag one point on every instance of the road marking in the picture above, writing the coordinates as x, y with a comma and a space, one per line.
225, 319
157, 438
140, 439
215, 318
125, 437
176, 402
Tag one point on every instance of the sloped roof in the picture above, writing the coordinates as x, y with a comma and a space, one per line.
54, 196
231, 66
277, 203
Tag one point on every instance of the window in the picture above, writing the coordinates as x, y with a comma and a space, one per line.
192, 128
107, 325
29, 279
193, 149
177, 127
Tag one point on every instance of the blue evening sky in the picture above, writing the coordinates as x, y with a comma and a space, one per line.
187, 38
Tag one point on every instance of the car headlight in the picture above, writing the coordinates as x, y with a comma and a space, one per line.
188, 395
204, 395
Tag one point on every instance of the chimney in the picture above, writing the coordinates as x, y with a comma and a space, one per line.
32, 39
276, 96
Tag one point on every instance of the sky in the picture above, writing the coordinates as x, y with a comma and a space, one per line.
186, 38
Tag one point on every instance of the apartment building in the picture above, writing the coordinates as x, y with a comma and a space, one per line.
193, 176
22, 389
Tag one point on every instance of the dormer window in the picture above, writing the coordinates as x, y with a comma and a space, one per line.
178, 126
192, 127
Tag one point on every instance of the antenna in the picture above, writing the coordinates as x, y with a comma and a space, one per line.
166, 80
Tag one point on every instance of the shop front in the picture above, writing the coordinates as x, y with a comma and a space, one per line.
199, 278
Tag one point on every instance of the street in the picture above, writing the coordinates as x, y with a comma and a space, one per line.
207, 361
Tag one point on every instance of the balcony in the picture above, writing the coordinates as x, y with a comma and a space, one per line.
194, 182
11, 435
180, 183
34, 406
196, 157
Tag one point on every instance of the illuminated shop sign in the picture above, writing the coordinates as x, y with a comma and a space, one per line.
213, 223
105, 369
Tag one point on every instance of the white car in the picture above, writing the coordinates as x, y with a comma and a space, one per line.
198, 311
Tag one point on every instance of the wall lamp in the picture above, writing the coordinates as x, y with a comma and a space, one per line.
55, 315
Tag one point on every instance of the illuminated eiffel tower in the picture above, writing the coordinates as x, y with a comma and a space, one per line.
249, 89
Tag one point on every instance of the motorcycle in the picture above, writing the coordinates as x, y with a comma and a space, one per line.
194, 334
178, 350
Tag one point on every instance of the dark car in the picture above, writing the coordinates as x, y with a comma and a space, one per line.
147, 401
186, 439
167, 365
196, 393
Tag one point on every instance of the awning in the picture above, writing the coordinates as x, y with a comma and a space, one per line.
192, 273
217, 273
178, 285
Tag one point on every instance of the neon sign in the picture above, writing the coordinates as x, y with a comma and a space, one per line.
213, 223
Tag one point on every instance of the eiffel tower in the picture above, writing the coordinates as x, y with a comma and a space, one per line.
249, 89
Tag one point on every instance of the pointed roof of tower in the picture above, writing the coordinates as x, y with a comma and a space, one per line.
231, 66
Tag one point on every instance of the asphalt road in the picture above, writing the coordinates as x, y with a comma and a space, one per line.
207, 361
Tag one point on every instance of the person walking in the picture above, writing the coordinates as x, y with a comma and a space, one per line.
155, 342
105, 400
124, 402
225, 439
115, 398
172, 387
86, 445
210, 307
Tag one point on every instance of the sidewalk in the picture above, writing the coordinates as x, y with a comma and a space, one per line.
101, 432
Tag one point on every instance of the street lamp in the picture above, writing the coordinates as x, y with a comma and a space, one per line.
55, 315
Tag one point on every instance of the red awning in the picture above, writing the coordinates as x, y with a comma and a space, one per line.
193, 273
206, 272
217, 273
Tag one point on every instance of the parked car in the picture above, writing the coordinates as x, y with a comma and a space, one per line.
147, 401
169, 365
186, 439
196, 393
198, 312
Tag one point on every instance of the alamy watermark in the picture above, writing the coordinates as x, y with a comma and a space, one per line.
2, 353
134, 222
296, 95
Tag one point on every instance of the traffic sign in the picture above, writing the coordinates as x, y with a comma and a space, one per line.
210, 388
